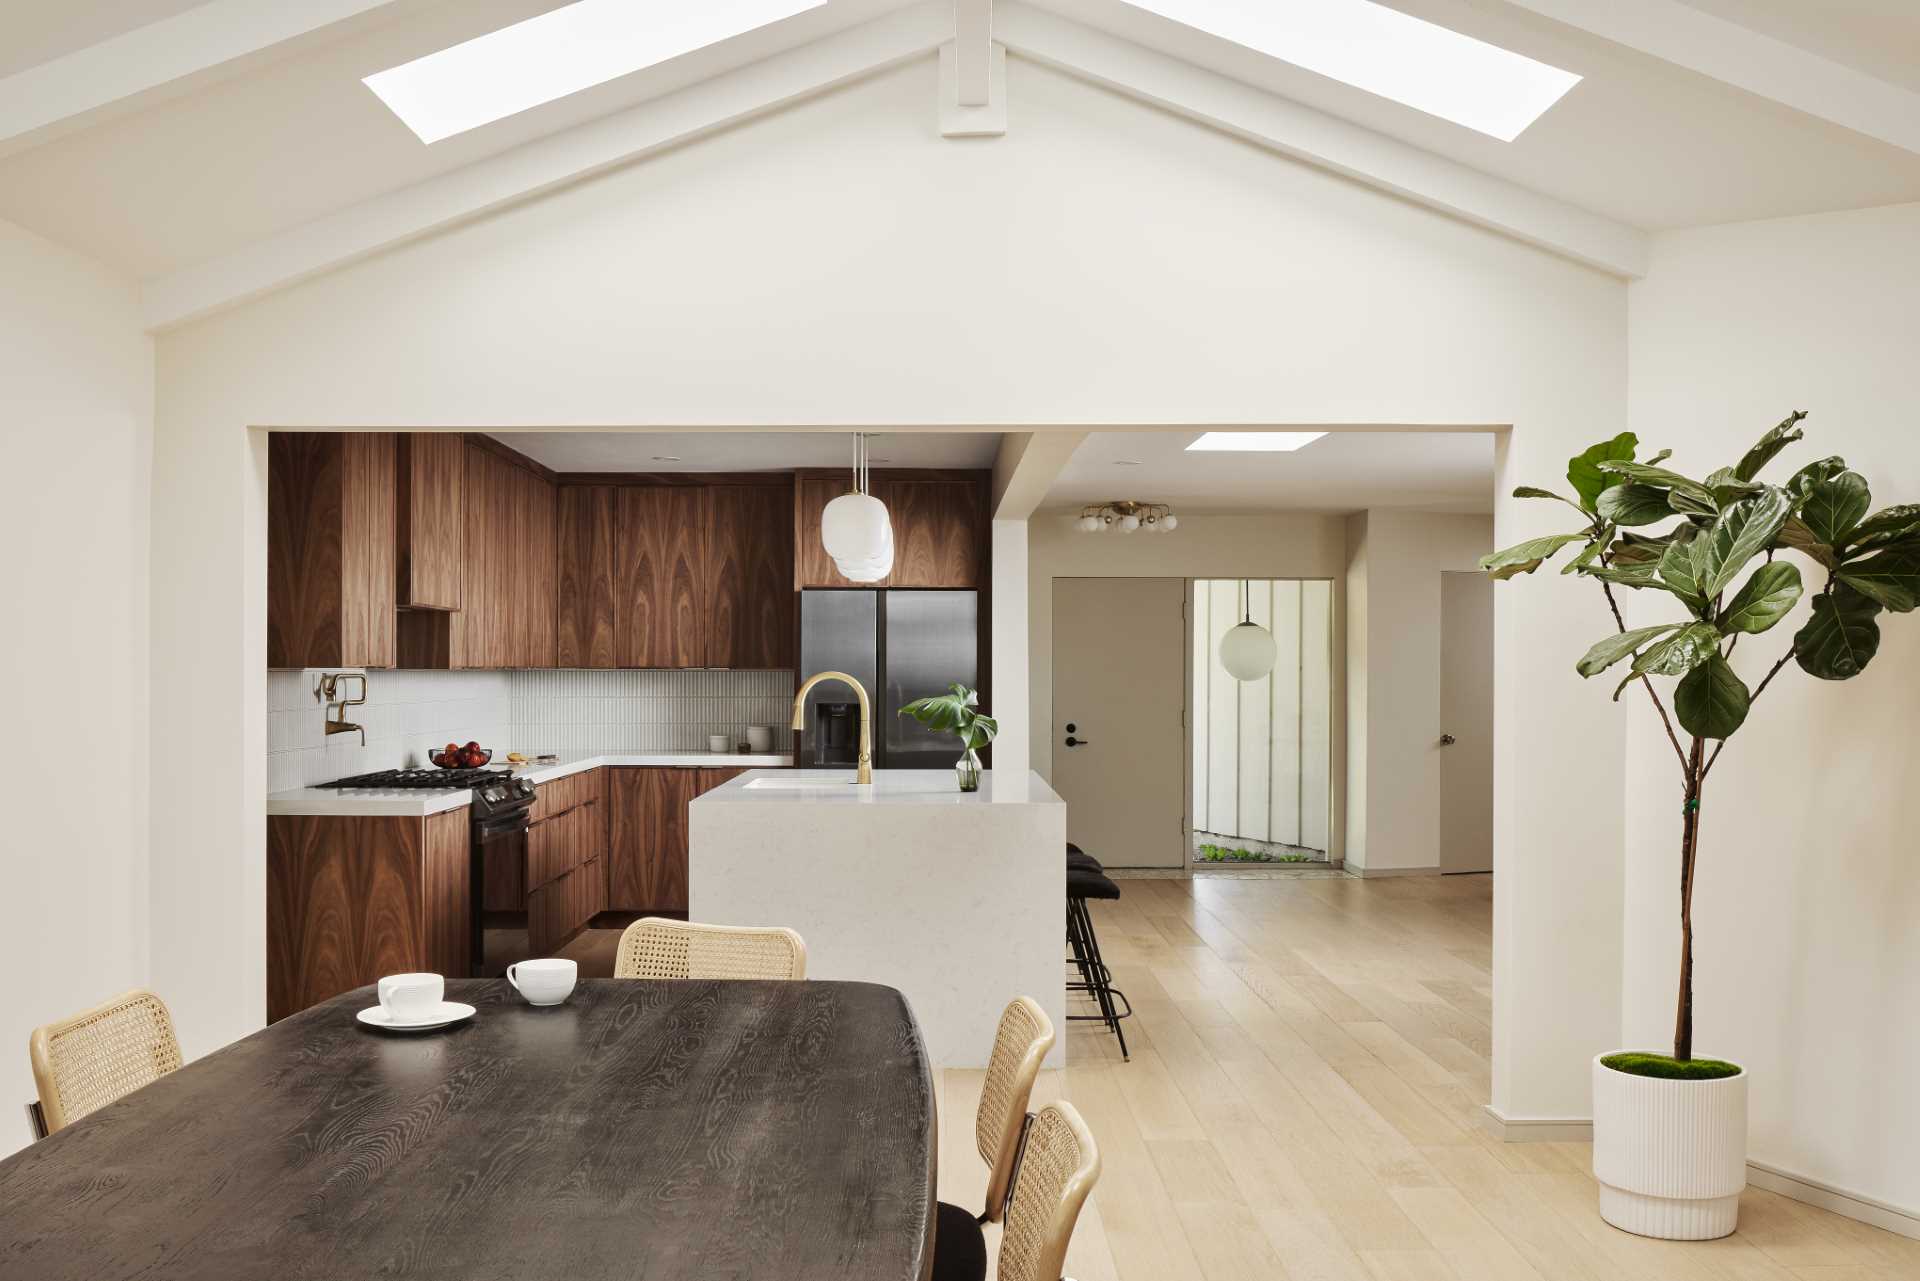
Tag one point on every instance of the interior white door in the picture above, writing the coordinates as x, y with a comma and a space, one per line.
1466, 723
1119, 690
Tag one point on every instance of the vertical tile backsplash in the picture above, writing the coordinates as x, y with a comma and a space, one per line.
405, 714
570, 712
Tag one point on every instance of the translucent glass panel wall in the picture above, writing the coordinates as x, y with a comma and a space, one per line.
1262, 749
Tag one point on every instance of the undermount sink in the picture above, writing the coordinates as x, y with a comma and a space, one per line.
798, 784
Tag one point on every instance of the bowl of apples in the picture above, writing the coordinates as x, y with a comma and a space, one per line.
454, 756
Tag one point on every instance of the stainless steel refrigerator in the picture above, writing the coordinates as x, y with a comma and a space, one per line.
902, 645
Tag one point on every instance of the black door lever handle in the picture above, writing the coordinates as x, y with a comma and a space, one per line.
1075, 742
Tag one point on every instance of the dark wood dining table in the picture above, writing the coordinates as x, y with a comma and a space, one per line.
657, 1130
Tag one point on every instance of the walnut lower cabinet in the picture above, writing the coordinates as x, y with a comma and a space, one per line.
350, 898
647, 834
566, 870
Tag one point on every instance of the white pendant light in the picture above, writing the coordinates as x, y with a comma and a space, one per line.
1247, 650
856, 529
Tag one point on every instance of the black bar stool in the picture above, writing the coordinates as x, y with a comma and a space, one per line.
1095, 979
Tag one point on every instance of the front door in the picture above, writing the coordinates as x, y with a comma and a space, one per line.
1119, 692
1466, 722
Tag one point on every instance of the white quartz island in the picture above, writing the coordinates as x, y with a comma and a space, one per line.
957, 899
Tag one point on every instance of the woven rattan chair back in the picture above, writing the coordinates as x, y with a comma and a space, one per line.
83, 1063
654, 948
1023, 1039
1058, 1167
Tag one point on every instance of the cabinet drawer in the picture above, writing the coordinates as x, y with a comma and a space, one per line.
562, 794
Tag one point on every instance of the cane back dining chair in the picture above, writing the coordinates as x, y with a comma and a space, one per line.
656, 948
83, 1063
1059, 1165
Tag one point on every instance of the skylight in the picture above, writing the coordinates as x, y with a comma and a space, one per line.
557, 53
1383, 51
1254, 442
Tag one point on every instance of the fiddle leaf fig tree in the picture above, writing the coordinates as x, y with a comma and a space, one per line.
1718, 547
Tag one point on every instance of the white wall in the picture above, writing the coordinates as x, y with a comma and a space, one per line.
839, 263
76, 418
1807, 906
1395, 560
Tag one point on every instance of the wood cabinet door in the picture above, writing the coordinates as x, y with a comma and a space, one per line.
663, 621
430, 481
330, 549
749, 563
647, 837
484, 604
538, 567
812, 567
448, 900
939, 532
592, 577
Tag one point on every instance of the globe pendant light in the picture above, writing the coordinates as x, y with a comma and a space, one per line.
1247, 650
855, 528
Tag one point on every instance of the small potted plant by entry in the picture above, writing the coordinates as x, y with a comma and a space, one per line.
955, 713
1670, 1131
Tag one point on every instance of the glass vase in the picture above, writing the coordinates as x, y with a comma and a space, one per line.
967, 770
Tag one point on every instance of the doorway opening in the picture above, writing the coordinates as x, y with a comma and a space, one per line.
1261, 749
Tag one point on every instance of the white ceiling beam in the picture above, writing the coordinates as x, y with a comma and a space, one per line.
1780, 72
538, 167
972, 44
1026, 467
160, 59
1323, 140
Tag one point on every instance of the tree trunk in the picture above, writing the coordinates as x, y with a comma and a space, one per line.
1689, 847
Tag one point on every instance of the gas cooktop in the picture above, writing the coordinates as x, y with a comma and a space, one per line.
433, 779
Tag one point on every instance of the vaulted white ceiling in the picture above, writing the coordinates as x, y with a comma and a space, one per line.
220, 148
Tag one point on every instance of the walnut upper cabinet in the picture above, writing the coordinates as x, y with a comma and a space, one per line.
675, 575
431, 474
331, 549
507, 567
940, 524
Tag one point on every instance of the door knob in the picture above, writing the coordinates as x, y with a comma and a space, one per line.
1075, 742
1447, 740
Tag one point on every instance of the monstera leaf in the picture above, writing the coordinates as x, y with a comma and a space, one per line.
1764, 599
1840, 639
952, 713
1711, 700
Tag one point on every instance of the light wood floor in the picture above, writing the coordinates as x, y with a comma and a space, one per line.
1308, 1060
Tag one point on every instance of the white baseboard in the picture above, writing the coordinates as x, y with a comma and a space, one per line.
1536, 1129
1798, 1187
1853, 1205
1372, 872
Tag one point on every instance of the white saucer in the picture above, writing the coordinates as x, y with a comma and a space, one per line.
447, 1012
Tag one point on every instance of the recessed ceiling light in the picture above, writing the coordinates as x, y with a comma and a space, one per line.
557, 53
1254, 442
1126, 462
1386, 52
666, 458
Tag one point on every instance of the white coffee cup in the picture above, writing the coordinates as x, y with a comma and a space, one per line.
409, 997
719, 743
544, 982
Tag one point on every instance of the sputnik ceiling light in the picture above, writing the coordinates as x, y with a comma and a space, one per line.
1247, 650
856, 529
1126, 517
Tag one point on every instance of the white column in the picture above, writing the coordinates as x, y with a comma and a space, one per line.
1012, 751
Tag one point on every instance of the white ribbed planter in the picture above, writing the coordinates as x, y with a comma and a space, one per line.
1671, 1156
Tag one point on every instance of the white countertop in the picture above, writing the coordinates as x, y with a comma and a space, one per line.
889, 787
418, 803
